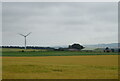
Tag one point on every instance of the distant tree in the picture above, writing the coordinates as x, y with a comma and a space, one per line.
107, 49
118, 50
112, 50
76, 46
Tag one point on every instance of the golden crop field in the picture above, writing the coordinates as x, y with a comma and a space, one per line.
61, 67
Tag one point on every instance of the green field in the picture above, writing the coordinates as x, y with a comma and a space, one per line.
33, 52
59, 65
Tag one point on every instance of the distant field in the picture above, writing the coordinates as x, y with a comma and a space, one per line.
17, 49
61, 67
30, 52
52, 53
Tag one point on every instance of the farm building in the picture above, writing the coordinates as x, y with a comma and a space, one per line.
72, 49
111, 49
88, 49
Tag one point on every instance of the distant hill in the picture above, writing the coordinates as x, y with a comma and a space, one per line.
111, 45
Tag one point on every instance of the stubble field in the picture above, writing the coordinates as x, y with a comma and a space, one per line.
61, 67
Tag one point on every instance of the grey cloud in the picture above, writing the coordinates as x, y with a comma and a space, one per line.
56, 23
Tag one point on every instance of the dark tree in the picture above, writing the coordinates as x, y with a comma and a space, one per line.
76, 46
112, 50
118, 50
107, 49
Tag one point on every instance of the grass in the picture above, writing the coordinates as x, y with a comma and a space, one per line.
61, 67
40, 52
53, 53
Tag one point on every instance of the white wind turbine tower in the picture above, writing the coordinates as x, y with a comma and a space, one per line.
25, 38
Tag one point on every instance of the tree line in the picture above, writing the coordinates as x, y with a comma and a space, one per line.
28, 47
73, 46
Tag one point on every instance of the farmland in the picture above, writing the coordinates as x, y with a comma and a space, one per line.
30, 53
59, 65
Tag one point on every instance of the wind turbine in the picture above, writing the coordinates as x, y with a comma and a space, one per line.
25, 38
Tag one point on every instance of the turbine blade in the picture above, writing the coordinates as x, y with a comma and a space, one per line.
21, 34
28, 33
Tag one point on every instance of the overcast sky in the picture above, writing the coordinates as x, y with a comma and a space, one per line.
60, 23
